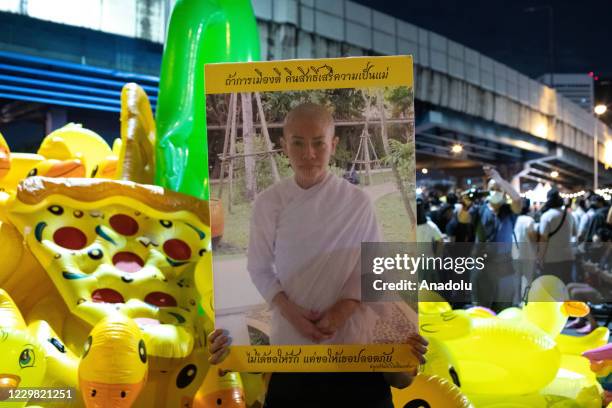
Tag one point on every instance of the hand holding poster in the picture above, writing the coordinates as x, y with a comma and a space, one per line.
293, 302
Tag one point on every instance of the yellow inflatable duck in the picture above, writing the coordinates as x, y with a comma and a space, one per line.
224, 391
548, 308
113, 369
58, 168
430, 391
20, 166
23, 363
73, 141
25, 165
495, 356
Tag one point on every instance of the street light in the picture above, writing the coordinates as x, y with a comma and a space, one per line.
424, 171
456, 148
598, 110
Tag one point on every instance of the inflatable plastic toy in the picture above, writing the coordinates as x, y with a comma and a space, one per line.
220, 391
32, 356
518, 358
113, 369
577, 345
526, 401
23, 363
200, 32
137, 148
20, 166
575, 381
430, 392
448, 325
601, 364
545, 304
497, 355
58, 168
93, 236
480, 311
72, 141
111, 246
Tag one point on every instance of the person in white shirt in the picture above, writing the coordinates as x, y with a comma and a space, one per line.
305, 241
427, 231
524, 250
579, 212
556, 229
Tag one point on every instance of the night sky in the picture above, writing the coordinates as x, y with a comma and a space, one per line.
502, 30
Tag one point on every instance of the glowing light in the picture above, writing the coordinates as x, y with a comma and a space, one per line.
457, 148
541, 130
554, 174
608, 153
600, 109
419, 190
424, 171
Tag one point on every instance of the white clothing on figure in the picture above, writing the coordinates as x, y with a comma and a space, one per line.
559, 247
428, 232
524, 252
584, 224
307, 243
578, 214
524, 248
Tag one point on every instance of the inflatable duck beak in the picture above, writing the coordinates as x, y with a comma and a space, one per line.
7, 381
573, 308
108, 169
67, 168
101, 395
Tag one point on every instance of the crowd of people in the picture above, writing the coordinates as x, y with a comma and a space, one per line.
562, 237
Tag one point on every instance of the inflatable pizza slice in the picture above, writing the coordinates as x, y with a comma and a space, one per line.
119, 246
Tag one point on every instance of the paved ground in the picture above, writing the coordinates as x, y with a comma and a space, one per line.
380, 190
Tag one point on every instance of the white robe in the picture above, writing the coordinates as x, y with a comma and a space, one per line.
307, 243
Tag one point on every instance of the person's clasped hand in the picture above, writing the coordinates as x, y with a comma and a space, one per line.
335, 317
302, 319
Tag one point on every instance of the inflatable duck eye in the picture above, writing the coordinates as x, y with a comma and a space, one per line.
142, 351
27, 358
32, 172
454, 376
55, 209
87, 346
186, 376
417, 403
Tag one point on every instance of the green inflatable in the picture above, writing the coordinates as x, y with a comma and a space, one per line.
200, 32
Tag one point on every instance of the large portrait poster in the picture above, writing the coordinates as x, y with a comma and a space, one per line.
310, 160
